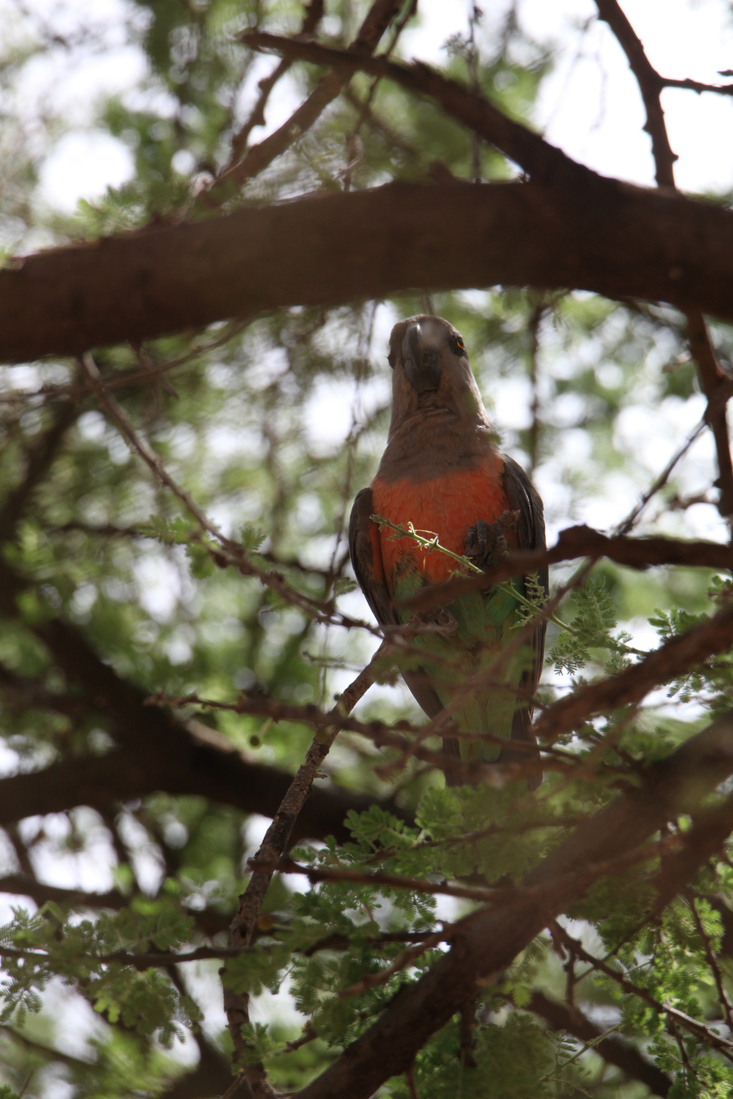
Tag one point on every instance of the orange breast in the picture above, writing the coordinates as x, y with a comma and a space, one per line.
447, 506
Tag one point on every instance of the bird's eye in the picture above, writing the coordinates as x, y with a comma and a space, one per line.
458, 345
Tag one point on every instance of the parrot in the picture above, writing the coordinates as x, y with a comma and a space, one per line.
442, 474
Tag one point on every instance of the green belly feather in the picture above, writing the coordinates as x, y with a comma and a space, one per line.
472, 635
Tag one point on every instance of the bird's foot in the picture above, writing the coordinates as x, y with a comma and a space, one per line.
486, 542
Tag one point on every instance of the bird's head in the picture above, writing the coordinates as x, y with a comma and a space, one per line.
431, 371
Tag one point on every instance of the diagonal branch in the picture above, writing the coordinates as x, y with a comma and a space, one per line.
275, 842
659, 481
49, 1053
486, 942
226, 551
650, 85
713, 963
674, 1015
328, 88
537, 157
39, 457
709, 832
311, 18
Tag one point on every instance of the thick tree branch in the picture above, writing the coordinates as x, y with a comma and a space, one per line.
22, 692
611, 238
485, 943
205, 768
579, 232
212, 1076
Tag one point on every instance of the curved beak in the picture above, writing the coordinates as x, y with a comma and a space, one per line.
422, 364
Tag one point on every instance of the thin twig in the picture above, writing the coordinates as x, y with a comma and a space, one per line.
723, 998
583, 541
311, 18
495, 898
697, 86
384, 736
317, 874
260, 156
406, 959
694, 1026
540, 160
659, 483
495, 829
561, 1018
225, 551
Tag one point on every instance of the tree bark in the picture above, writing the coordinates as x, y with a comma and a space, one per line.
594, 234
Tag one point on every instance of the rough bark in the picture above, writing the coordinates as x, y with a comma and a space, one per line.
596, 234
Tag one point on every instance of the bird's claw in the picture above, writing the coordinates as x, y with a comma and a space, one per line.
486, 542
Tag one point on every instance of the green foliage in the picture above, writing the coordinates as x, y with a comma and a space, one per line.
594, 619
712, 683
50, 944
